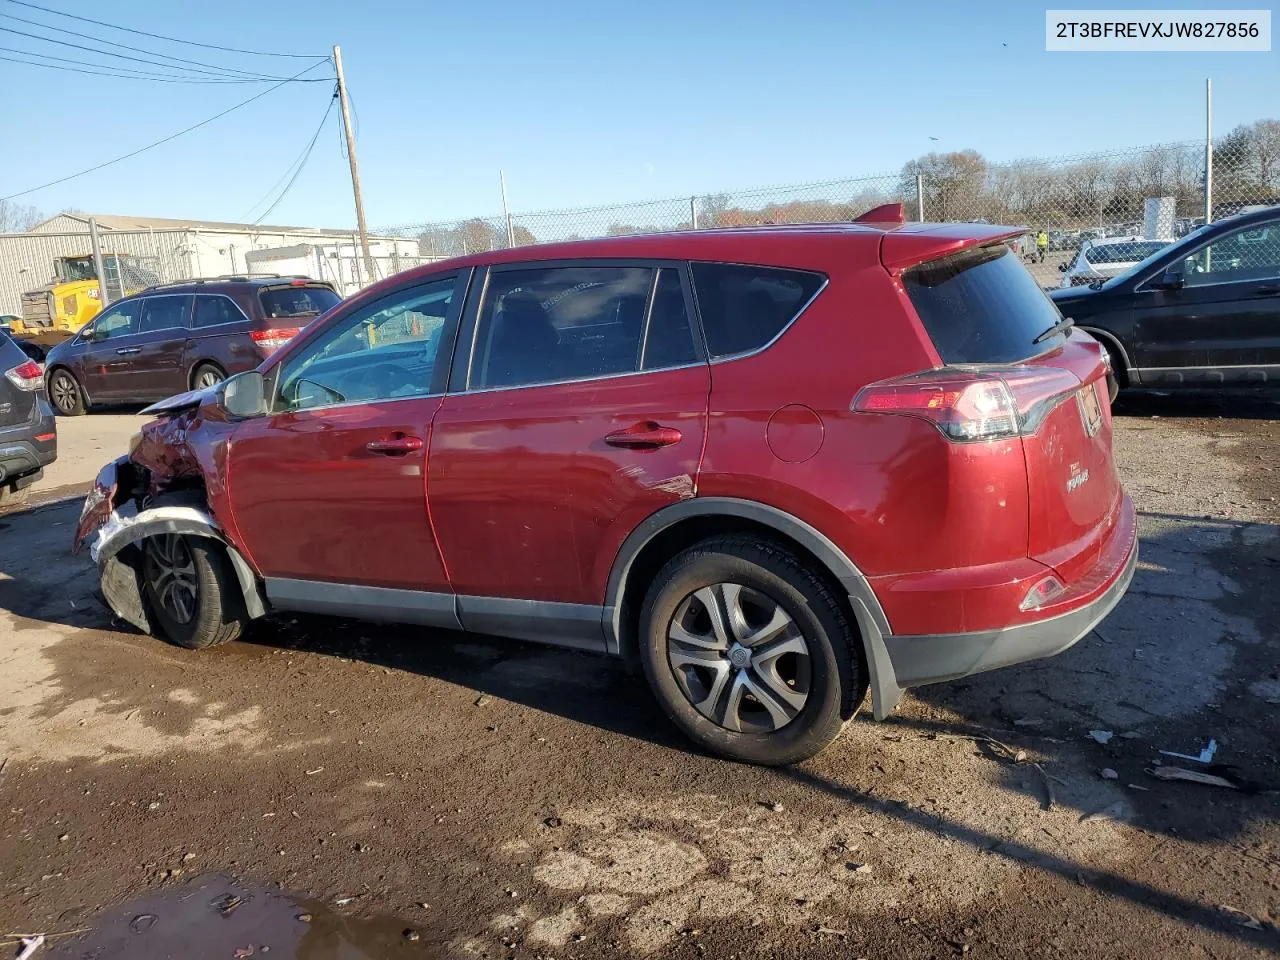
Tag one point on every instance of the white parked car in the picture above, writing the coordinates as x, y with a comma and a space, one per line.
1098, 260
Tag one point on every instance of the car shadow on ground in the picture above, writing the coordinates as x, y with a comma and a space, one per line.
1208, 404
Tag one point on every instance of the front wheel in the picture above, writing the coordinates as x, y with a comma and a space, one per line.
65, 394
191, 591
749, 651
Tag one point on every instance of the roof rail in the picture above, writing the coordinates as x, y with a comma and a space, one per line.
225, 278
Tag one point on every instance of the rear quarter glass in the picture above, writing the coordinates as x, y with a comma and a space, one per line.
745, 307
982, 306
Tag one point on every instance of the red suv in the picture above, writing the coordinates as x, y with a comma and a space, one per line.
774, 465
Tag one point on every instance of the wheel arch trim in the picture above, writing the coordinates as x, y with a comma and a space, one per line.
1099, 334
121, 583
873, 625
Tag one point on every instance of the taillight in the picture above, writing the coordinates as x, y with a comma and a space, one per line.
26, 376
272, 340
1042, 594
969, 407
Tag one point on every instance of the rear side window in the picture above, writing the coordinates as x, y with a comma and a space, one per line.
982, 306
296, 301
743, 308
164, 313
552, 324
1123, 252
215, 311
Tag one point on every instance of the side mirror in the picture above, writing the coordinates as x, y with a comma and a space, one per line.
1173, 278
95, 335
244, 395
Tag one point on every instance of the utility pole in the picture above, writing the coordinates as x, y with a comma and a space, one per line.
506, 212
355, 165
99, 267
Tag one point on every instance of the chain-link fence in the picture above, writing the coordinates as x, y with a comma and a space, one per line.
1071, 205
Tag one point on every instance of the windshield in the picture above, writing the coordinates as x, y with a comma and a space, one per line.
1124, 252
78, 268
1190, 240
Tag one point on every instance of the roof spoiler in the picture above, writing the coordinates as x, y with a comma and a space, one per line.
886, 213
918, 242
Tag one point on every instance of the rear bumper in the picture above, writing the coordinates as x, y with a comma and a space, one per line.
23, 456
901, 661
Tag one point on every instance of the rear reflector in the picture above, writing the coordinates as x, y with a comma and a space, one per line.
1042, 594
26, 376
45, 437
272, 340
969, 407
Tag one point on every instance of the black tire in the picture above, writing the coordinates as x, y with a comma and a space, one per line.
834, 680
66, 394
215, 609
10, 497
206, 375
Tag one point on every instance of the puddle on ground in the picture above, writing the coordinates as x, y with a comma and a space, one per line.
216, 918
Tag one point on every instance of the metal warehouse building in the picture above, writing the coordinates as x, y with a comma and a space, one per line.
182, 249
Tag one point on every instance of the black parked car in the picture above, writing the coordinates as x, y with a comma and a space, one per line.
28, 437
1204, 311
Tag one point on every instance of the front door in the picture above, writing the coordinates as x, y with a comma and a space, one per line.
1223, 324
579, 410
110, 348
330, 486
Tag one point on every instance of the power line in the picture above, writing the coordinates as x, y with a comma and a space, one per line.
157, 36
127, 74
194, 65
173, 136
302, 162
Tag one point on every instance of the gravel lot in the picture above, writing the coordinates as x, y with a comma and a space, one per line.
417, 793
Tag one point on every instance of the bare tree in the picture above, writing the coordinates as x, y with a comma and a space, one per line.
17, 217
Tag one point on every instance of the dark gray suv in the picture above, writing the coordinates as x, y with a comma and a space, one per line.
28, 437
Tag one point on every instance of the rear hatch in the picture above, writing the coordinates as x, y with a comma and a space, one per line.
287, 307
988, 317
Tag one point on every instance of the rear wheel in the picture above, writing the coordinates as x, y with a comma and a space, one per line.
207, 375
749, 652
65, 394
192, 593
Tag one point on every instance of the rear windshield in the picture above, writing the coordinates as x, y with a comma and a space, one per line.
296, 301
982, 306
1123, 252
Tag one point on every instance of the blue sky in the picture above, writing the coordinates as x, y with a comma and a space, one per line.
584, 102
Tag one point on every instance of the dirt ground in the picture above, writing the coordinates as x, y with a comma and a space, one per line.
335, 789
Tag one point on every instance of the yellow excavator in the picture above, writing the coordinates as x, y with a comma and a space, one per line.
61, 307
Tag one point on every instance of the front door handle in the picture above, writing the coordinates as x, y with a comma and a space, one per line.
394, 446
1269, 290
126, 351
644, 436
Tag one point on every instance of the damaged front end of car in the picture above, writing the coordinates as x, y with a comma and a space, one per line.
169, 483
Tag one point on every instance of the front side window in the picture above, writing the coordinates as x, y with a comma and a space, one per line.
551, 324
164, 313
119, 321
743, 307
1243, 255
386, 351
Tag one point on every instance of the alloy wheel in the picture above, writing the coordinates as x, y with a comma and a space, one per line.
208, 378
64, 393
739, 658
170, 571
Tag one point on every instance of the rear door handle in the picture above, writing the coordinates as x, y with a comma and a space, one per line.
1269, 290
644, 436
395, 446
125, 351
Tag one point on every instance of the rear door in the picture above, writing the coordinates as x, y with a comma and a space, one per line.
577, 408
157, 368
983, 309
1223, 325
